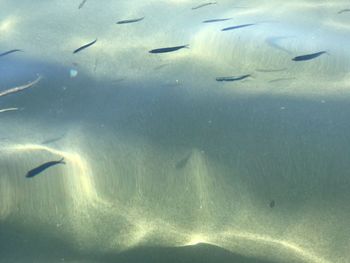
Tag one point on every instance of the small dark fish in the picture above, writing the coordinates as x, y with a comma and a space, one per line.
216, 20
85, 46
203, 5
236, 27
272, 204
10, 51
344, 10
280, 79
271, 70
161, 66
309, 56
116, 81
82, 4
232, 78
130, 21
43, 167
52, 140
167, 49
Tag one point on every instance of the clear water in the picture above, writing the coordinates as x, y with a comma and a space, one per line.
162, 162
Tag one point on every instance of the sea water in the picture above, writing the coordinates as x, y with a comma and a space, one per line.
163, 163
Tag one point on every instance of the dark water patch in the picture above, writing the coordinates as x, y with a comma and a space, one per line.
31, 244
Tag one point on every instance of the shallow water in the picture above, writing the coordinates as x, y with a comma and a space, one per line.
163, 162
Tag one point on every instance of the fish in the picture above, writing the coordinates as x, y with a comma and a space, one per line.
85, 46
203, 5
281, 79
118, 80
82, 4
272, 204
52, 140
216, 20
128, 21
43, 167
10, 51
309, 56
271, 70
344, 10
167, 49
161, 66
236, 27
20, 88
8, 109
234, 78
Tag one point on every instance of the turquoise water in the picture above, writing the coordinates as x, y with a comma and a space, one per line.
163, 162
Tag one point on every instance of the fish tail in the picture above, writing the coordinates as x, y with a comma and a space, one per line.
187, 46
62, 161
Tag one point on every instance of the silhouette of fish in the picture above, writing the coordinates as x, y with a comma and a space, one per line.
128, 21
85, 46
10, 51
203, 5
82, 4
233, 78
236, 27
216, 20
344, 10
52, 140
167, 49
43, 167
309, 56
271, 70
280, 79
